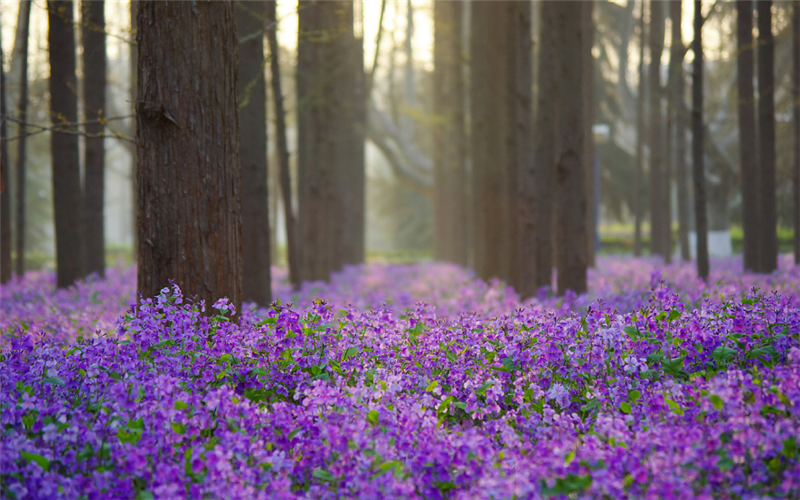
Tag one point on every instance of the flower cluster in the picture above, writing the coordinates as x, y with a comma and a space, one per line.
668, 388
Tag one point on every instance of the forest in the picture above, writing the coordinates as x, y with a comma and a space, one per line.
435, 249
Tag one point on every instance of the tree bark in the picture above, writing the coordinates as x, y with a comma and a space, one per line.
94, 92
256, 282
658, 183
450, 238
5, 188
19, 243
293, 249
571, 228
747, 133
796, 110
698, 171
587, 94
538, 181
67, 195
678, 108
187, 145
768, 237
639, 185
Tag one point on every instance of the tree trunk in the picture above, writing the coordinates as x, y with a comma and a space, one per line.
450, 162
187, 128
768, 237
25, 20
638, 208
538, 181
658, 183
678, 110
94, 99
698, 171
587, 94
330, 140
571, 229
5, 188
67, 196
256, 282
500, 101
747, 133
796, 109
134, 95
292, 247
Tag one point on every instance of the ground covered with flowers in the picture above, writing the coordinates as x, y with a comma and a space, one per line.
407, 382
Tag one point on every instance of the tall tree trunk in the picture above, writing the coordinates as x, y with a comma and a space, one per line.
450, 161
658, 219
538, 181
796, 109
768, 252
67, 196
256, 282
134, 95
94, 99
5, 188
571, 230
187, 130
679, 112
673, 109
501, 111
747, 133
292, 246
638, 208
698, 171
19, 243
587, 94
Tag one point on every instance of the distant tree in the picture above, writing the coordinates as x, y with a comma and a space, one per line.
659, 219
796, 111
538, 181
587, 94
747, 133
571, 227
638, 208
256, 282
187, 145
67, 193
677, 109
293, 248
500, 127
768, 237
330, 92
23, 26
450, 207
5, 188
698, 171
93, 36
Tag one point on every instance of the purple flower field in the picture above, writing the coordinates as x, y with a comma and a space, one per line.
415, 381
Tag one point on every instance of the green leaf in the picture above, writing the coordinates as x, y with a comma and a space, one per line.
674, 367
39, 459
373, 417
567, 485
53, 380
294, 433
723, 353
180, 405
395, 466
350, 352
634, 396
675, 407
590, 405
323, 475
86, 453
266, 321
482, 389
178, 428
625, 407
725, 463
632, 332
716, 401
433, 385
145, 495
673, 315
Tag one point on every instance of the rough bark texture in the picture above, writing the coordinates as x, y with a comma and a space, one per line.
587, 94
571, 228
450, 209
538, 182
638, 209
293, 248
678, 108
768, 217
658, 183
500, 100
698, 171
747, 132
94, 104
67, 196
19, 242
5, 188
796, 110
256, 279
330, 126
187, 145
